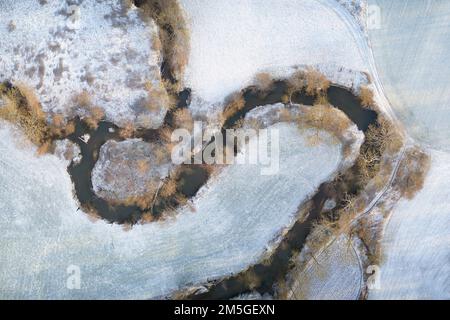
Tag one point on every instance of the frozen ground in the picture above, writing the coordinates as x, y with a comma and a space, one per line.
233, 40
61, 50
334, 274
411, 50
129, 169
416, 241
237, 215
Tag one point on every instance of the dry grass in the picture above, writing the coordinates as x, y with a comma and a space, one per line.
366, 97
32, 100
165, 134
285, 115
157, 97
147, 217
143, 165
127, 4
60, 128
263, 81
83, 99
296, 82
235, 103
161, 154
183, 119
321, 99
173, 33
412, 172
127, 131
325, 117
96, 114
380, 139
316, 82
22, 107
169, 188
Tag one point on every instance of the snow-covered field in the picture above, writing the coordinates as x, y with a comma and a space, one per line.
334, 274
411, 50
61, 50
237, 215
233, 40
416, 241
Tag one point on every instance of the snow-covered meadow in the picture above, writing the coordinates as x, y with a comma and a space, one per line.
411, 50
335, 273
234, 40
416, 242
61, 49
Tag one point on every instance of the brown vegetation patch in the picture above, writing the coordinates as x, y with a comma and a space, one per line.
412, 172
183, 119
263, 81
234, 104
366, 97
173, 33
324, 117
158, 97
22, 107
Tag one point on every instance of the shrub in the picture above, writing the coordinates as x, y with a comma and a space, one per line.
169, 188
158, 97
325, 117
316, 82
183, 119
60, 128
366, 97
263, 81
83, 99
22, 108
95, 115
321, 99
234, 104
412, 172
165, 134
297, 81
173, 33
127, 130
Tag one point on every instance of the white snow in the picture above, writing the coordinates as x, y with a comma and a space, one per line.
234, 40
416, 241
237, 215
61, 50
334, 274
411, 50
